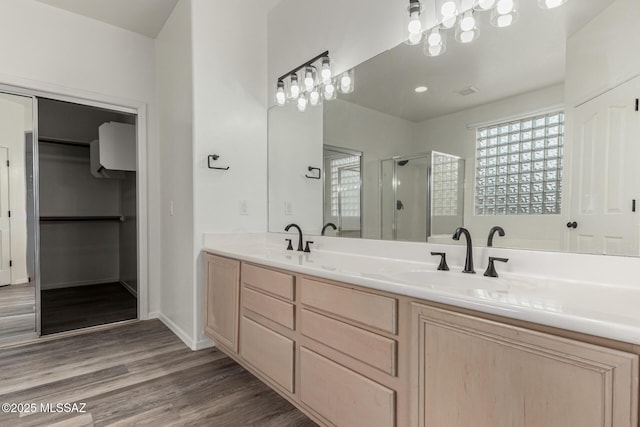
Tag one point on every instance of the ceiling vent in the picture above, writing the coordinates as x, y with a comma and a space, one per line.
469, 90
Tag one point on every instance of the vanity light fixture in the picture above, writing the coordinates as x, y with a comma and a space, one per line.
414, 22
460, 14
312, 82
281, 96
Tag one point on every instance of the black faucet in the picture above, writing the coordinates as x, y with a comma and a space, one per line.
500, 231
299, 235
468, 262
327, 225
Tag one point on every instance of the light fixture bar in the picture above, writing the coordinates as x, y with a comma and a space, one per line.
306, 64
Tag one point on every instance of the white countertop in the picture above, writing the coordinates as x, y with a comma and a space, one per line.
601, 309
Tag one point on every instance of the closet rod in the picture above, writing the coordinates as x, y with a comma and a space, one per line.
64, 142
80, 218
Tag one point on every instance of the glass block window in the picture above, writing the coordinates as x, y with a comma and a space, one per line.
345, 186
519, 166
445, 185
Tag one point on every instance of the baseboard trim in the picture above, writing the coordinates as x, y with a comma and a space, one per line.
129, 288
46, 287
175, 329
204, 343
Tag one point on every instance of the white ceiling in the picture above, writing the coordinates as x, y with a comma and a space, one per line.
146, 17
503, 62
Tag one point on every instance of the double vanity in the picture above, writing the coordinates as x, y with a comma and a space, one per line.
364, 333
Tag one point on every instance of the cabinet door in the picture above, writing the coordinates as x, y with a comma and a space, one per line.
222, 297
473, 372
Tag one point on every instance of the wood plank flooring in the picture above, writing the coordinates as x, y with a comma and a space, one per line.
83, 306
17, 310
137, 374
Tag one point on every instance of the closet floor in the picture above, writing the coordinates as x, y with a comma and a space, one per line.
83, 306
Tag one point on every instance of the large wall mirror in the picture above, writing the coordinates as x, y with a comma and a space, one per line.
17, 226
533, 128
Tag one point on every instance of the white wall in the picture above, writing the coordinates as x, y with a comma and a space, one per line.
295, 143
603, 53
378, 136
175, 101
230, 119
449, 134
15, 120
61, 52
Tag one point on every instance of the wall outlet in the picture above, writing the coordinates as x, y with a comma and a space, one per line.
243, 207
288, 208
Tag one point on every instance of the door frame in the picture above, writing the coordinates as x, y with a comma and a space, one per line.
36, 90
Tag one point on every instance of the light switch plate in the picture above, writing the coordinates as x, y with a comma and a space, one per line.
288, 208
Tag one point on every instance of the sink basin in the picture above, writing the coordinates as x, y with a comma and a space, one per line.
447, 280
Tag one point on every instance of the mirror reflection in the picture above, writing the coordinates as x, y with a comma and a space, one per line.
17, 287
539, 118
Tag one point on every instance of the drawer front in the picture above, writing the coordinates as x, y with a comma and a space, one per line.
270, 281
367, 347
269, 352
273, 309
342, 396
376, 311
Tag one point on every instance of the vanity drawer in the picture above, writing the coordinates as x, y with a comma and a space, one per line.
342, 396
271, 308
267, 351
373, 310
364, 346
270, 281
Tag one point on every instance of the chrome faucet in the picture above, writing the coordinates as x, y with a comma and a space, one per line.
327, 225
299, 235
500, 231
468, 262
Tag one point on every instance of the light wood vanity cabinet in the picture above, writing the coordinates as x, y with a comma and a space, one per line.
469, 371
222, 297
349, 356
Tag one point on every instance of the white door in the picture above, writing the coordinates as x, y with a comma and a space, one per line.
605, 201
5, 220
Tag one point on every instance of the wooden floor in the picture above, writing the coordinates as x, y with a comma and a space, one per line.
17, 310
136, 374
83, 306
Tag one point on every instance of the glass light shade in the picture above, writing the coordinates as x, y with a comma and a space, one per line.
309, 81
325, 71
294, 87
550, 4
449, 22
302, 103
503, 21
447, 8
483, 5
468, 22
314, 97
346, 82
436, 43
504, 7
467, 36
329, 91
281, 96
413, 23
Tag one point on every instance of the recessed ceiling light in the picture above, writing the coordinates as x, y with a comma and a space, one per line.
421, 89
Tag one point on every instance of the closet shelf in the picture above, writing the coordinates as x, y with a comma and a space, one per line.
60, 141
80, 218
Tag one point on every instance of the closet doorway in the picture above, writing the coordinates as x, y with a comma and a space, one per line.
88, 216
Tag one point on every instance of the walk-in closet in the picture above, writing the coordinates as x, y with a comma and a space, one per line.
87, 214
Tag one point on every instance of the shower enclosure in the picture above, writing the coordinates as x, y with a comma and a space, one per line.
343, 190
421, 196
